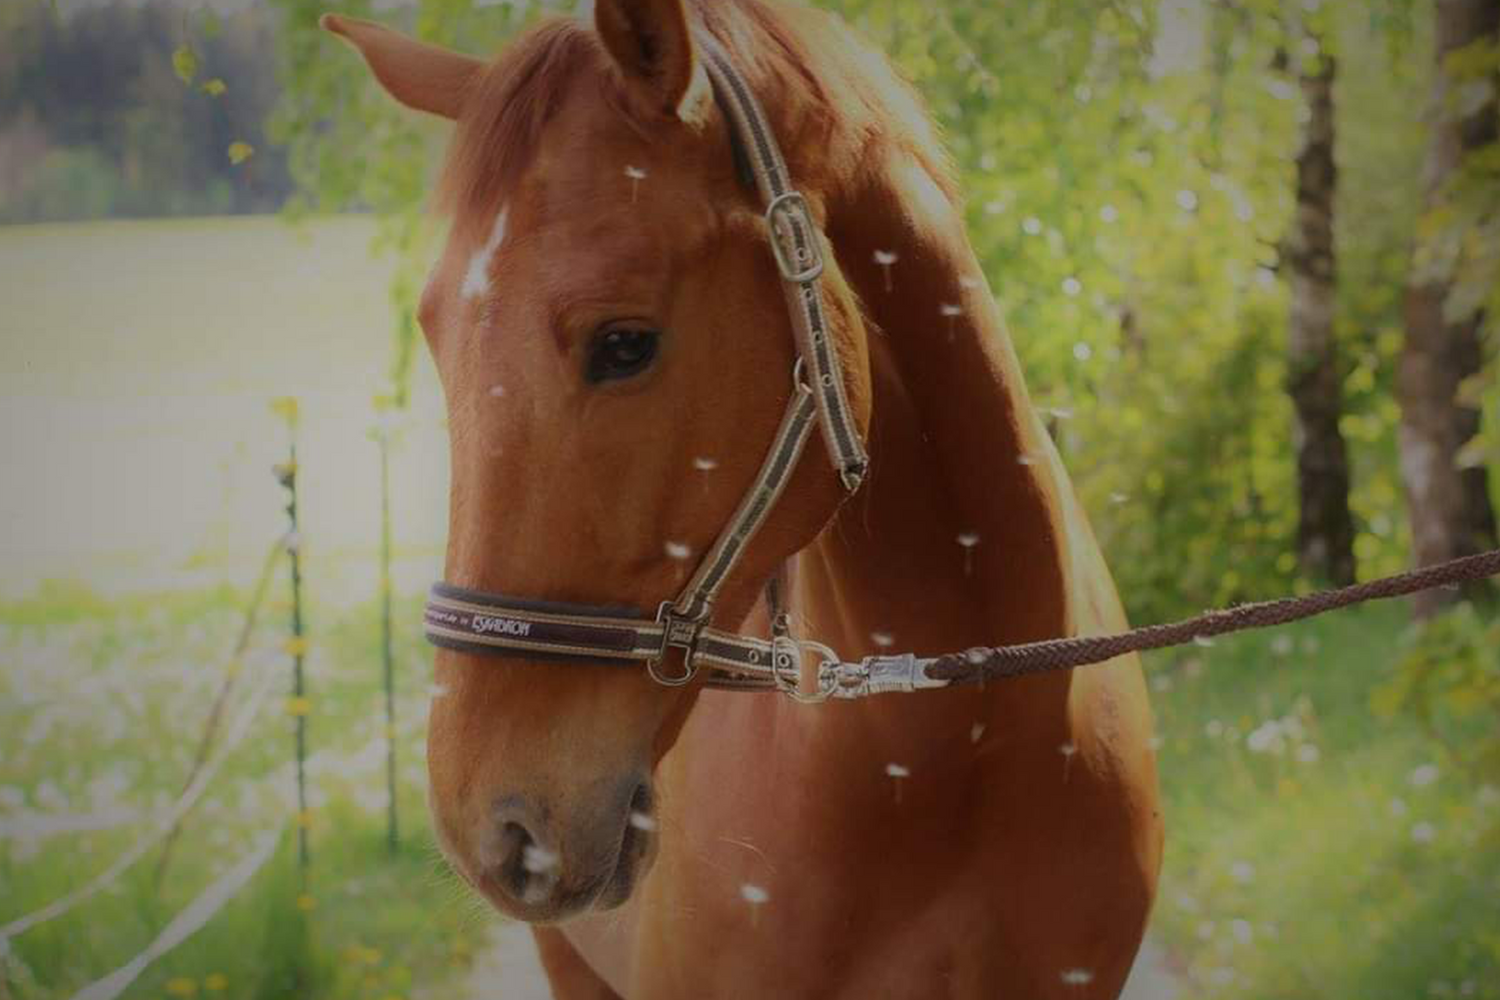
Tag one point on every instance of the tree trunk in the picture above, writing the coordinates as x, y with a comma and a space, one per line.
1449, 507
1325, 528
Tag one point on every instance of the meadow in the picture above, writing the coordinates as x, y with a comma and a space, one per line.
1319, 844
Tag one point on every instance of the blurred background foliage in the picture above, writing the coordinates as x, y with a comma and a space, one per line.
1131, 169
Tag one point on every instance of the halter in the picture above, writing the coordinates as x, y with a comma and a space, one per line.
475, 622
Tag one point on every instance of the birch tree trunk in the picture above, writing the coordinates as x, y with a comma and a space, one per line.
1449, 507
1325, 528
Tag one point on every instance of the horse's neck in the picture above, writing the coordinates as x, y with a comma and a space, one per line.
956, 539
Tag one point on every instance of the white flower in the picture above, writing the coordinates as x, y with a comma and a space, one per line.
1071, 286
1082, 351
1242, 930
1424, 775
1243, 872
1424, 833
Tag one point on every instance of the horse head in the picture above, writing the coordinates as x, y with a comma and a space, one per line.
609, 327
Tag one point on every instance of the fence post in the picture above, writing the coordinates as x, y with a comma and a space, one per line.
297, 644
383, 433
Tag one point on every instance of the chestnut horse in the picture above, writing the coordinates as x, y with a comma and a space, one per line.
609, 327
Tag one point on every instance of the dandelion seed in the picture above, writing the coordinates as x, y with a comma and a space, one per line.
1025, 459
968, 281
1282, 645
705, 464
755, 895
1077, 977
951, 312
678, 551
976, 656
538, 860
1032, 226
976, 732
497, 391
1396, 807
883, 639
1243, 872
968, 540
1118, 498
1242, 931
885, 258
641, 821
1109, 213
1082, 351
1068, 749
636, 175
1424, 833
1071, 286
1206, 641
1424, 776
1187, 200
897, 772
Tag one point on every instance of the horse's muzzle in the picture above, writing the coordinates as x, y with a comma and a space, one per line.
533, 867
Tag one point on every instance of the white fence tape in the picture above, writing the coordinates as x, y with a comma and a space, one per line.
194, 916
190, 795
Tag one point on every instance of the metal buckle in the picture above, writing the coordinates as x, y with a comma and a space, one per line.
681, 633
797, 263
786, 663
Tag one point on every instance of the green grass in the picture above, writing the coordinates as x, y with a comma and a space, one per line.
124, 682
1367, 868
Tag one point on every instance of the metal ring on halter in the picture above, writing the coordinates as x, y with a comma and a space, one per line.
681, 633
783, 660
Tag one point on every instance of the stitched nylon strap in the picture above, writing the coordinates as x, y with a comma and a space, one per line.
798, 248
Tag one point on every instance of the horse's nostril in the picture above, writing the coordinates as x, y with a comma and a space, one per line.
526, 869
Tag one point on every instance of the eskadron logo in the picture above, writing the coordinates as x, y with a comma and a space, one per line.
484, 624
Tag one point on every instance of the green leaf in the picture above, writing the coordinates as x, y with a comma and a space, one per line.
185, 63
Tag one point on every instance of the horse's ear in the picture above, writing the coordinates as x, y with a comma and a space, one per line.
420, 76
653, 47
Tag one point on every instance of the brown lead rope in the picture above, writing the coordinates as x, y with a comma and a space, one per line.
982, 664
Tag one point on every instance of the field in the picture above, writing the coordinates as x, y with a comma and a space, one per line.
1316, 847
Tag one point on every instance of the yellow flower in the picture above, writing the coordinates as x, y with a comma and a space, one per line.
305, 902
240, 151
214, 87
182, 987
216, 982
296, 646
298, 706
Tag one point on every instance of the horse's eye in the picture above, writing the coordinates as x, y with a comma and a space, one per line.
621, 351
